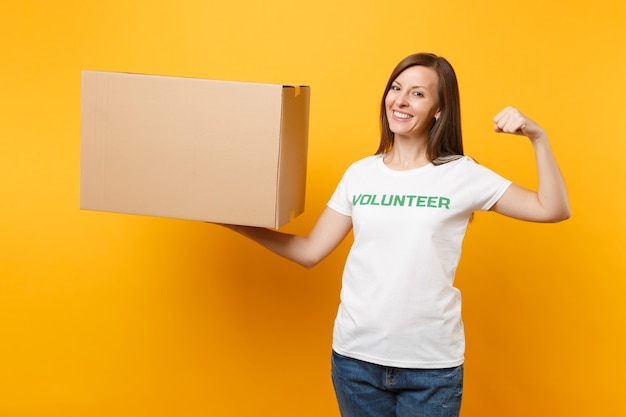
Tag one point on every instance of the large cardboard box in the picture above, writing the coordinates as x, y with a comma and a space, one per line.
216, 151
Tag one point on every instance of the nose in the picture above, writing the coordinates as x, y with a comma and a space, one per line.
401, 99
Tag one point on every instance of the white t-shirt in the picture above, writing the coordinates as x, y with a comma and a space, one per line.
398, 303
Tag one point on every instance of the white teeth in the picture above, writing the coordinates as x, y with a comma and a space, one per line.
402, 115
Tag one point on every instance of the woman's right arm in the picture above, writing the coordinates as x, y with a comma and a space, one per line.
331, 228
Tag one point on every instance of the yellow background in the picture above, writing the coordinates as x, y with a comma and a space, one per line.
116, 315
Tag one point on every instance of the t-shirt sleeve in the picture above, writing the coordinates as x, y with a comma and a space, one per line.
339, 201
486, 186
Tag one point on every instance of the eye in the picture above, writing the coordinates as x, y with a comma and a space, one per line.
395, 88
418, 93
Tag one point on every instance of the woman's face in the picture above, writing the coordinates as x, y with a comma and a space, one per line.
411, 102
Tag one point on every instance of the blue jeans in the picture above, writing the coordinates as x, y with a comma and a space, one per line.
368, 390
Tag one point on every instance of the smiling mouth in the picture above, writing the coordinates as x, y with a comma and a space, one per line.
399, 115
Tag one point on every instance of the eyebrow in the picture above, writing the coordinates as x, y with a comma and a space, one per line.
415, 86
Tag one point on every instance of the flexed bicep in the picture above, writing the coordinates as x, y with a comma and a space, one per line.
550, 202
522, 204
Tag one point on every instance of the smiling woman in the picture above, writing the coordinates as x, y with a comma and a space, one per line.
400, 313
116, 315
411, 103
430, 82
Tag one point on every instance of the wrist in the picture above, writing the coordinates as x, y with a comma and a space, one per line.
540, 136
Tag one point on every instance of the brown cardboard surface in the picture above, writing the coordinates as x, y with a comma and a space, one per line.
218, 151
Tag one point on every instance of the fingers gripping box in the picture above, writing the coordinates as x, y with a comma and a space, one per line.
196, 149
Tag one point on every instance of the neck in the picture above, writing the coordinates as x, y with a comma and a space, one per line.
406, 154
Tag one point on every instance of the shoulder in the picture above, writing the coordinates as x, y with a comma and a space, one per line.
365, 164
367, 161
453, 162
459, 161
468, 168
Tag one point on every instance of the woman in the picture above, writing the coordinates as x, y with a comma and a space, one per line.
398, 341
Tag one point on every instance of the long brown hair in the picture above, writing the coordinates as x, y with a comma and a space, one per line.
445, 141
